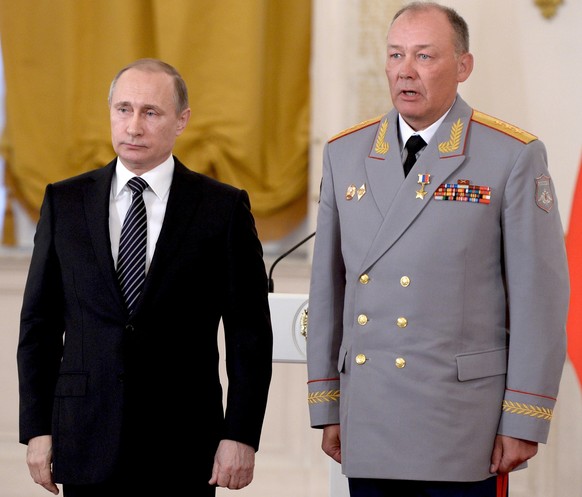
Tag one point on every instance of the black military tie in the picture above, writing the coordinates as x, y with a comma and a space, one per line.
131, 260
413, 145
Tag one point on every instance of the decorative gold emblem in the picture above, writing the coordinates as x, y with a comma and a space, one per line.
454, 138
528, 410
350, 192
325, 396
381, 147
361, 191
299, 328
423, 179
303, 323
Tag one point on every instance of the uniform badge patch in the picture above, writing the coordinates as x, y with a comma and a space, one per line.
544, 197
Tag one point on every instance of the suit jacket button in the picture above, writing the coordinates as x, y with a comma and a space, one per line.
405, 281
402, 322
129, 328
364, 279
362, 319
360, 359
400, 362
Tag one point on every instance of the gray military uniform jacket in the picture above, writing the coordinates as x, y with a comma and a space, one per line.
438, 301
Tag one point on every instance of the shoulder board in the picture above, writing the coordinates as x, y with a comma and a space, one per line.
363, 124
499, 125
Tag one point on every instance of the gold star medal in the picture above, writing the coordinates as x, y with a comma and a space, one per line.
423, 179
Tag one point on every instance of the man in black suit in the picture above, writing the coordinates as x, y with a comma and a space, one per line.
121, 402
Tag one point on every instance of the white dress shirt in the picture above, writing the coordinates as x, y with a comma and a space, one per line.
155, 197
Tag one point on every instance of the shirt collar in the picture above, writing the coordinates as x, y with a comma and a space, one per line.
426, 134
159, 178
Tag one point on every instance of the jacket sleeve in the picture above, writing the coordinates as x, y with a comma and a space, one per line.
538, 295
247, 329
326, 304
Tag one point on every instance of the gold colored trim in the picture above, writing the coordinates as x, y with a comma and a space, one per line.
508, 129
528, 410
325, 396
356, 127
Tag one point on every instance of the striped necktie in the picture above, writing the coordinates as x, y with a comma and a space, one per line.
131, 260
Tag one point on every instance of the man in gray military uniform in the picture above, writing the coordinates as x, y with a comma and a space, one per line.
439, 296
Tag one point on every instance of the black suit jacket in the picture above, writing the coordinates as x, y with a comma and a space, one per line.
118, 387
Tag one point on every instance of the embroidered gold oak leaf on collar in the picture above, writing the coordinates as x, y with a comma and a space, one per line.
381, 147
454, 138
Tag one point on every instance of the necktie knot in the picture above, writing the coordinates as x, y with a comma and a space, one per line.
413, 145
137, 185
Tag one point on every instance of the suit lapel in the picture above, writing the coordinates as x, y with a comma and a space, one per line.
96, 205
184, 197
183, 200
441, 157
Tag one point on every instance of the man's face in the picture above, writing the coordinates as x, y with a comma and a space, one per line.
422, 68
144, 124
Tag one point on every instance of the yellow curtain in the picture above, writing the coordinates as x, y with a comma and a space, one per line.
246, 63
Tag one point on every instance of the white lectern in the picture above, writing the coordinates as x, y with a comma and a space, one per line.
289, 318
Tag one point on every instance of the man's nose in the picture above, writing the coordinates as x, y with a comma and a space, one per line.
134, 126
406, 68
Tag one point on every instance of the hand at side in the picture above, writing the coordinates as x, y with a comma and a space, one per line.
234, 464
509, 453
39, 459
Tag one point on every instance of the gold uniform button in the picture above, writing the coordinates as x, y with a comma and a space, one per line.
400, 362
405, 281
364, 279
360, 359
402, 322
362, 319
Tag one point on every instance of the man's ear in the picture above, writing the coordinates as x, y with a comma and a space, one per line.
464, 67
183, 121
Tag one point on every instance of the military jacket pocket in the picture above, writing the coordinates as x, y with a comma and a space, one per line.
481, 364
